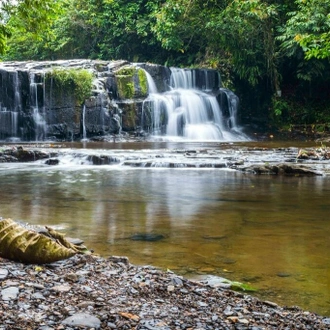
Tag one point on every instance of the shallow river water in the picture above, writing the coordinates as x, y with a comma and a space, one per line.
269, 231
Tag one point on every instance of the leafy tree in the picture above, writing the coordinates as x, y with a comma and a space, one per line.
25, 16
246, 30
106, 29
308, 28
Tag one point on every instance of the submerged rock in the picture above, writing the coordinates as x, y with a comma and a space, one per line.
147, 237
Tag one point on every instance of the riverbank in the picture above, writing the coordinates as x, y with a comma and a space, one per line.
93, 292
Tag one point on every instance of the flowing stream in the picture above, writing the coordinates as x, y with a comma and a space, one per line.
269, 231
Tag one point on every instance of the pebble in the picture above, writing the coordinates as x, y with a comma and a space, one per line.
3, 273
10, 293
82, 320
89, 292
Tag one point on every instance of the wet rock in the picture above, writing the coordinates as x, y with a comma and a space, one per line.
147, 237
102, 160
281, 169
283, 274
52, 161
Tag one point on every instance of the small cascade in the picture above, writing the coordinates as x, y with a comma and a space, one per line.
38, 113
190, 109
84, 123
8, 121
9, 110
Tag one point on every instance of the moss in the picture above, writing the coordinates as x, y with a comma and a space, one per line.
126, 71
143, 82
80, 81
131, 82
125, 87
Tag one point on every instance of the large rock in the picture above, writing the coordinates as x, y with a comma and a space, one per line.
74, 99
280, 169
33, 106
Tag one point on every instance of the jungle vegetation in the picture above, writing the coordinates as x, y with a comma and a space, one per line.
273, 54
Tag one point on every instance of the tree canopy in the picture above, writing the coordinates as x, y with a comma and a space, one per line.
258, 45
25, 16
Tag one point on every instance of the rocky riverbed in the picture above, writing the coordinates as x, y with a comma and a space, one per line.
291, 161
96, 293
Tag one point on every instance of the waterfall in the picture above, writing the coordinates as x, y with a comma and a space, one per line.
10, 106
84, 123
179, 104
38, 114
190, 110
8, 122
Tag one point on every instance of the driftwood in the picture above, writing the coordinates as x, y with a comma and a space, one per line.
24, 245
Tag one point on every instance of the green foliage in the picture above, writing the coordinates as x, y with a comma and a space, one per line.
78, 80
258, 46
245, 29
131, 81
308, 28
105, 29
26, 17
143, 81
280, 106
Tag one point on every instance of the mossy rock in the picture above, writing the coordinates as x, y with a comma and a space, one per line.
76, 83
131, 82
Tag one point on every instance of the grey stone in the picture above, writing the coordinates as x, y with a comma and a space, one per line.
10, 293
3, 273
82, 320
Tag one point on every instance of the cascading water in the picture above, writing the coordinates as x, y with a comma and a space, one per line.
37, 113
190, 109
9, 116
84, 123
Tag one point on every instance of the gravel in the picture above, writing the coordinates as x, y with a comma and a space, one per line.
89, 292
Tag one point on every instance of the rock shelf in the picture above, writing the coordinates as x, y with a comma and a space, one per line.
270, 161
89, 292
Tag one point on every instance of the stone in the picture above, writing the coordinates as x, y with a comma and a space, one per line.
10, 293
82, 320
107, 301
3, 273
61, 288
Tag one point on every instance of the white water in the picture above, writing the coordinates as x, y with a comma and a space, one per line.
84, 123
9, 117
38, 114
8, 121
186, 113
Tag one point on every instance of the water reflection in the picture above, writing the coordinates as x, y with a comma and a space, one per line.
270, 231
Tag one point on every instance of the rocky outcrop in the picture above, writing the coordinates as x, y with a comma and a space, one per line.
74, 99
37, 101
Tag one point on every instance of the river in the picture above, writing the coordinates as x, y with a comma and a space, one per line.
269, 231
